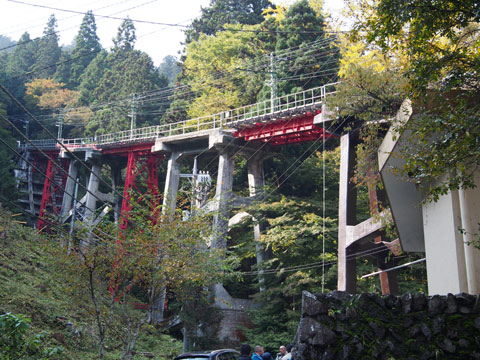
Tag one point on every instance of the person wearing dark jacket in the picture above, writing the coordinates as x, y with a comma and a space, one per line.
245, 351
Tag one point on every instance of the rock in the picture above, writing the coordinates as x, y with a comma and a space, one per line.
351, 313
378, 330
407, 322
465, 310
419, 301
426, 331
345, 352
463, 343
379, 300
340, 296
396, 335
414, 331
447, 345
308, 328
452, 333
476, 323
437, 324
299, 350
407, 303
436, 304
451, 304
476, 306
362, 300
324, 337
475, 355
312, 305
320, 335
328, 355
390, 345
390, 301
465, 299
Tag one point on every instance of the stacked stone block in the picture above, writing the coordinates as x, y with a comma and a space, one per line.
339, 325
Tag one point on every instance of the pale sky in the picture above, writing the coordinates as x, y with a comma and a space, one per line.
156, 40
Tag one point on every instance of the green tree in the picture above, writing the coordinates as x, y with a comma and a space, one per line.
126, 37
153, 253
170, 68
315, 59
19, 62
6, 42
64, 68
8, 188
48, 53
86, 48
91, 78
221, 12
127, 73
216, 67
441, 42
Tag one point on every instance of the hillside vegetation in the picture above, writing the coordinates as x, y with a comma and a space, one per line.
34, 283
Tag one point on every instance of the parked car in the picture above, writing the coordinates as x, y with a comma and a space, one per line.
223, 354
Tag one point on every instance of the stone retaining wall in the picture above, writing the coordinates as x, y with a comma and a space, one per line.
338, 325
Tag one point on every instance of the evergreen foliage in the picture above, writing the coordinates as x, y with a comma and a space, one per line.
87, 46
221, 12
48, 53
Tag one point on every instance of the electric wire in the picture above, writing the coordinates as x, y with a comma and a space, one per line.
176, 25
59, 20
73, 27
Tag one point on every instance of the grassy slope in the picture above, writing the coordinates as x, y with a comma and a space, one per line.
34, 285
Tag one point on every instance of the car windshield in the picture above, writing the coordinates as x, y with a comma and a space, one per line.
195, 357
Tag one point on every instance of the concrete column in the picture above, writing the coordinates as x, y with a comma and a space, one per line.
91, 201
256, 184
346, 216
69, 189
171, 184
469, 207
444, 247
223, 196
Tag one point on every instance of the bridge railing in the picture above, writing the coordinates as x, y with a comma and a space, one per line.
231, 118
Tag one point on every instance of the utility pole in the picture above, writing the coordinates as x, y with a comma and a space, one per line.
59, 123
273, 82
133, 122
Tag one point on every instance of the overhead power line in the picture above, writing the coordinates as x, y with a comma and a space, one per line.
174, 25
72, 27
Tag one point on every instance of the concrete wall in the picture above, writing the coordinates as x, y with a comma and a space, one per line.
450, 226
338, 325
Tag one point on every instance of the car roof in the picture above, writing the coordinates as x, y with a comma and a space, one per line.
206, 353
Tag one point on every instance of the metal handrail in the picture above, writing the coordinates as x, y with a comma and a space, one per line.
227, 119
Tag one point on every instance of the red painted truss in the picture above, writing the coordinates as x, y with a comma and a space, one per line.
281, 132
53, 189
141, 188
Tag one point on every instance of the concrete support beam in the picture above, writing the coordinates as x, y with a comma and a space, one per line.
171, 184
69, 189
256, 185
223, 196
346, 216
93, 182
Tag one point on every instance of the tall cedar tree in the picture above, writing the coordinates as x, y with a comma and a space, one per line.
221, 12
20, 61
312, 65
121, 73
86, 48
48, 53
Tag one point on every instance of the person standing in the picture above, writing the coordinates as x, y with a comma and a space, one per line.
282, 353
245, 351
258, 353
288, 355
